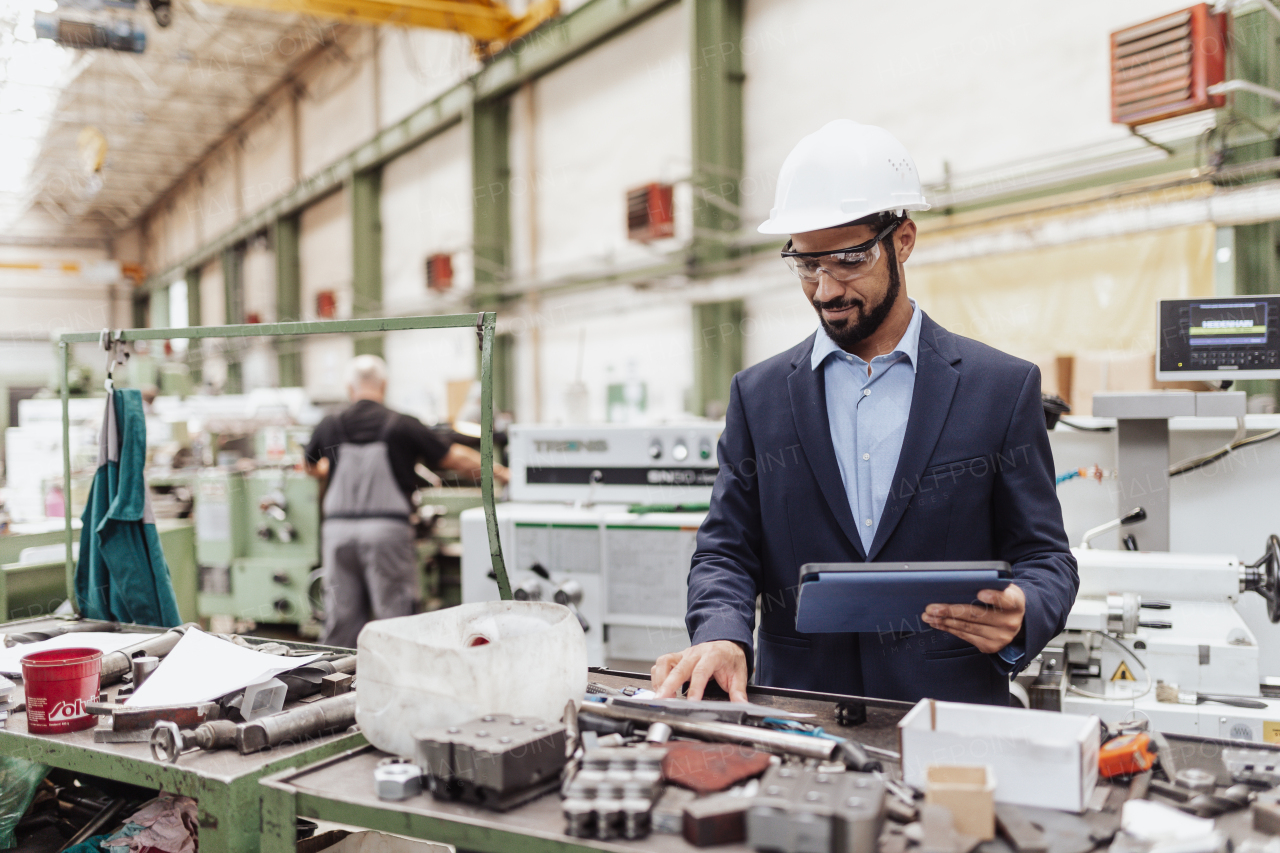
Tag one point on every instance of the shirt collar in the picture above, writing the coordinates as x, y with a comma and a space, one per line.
909, 345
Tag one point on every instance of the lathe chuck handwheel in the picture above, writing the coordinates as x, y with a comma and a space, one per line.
1263, 577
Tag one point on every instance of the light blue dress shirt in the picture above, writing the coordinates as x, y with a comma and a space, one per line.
868, 418
867, 413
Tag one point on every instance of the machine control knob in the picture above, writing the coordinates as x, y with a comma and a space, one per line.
655, 449
530, 590
704, 449
282, 578
680, 451
265, 532
1122, 612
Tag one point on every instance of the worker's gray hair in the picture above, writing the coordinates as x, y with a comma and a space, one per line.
366, 371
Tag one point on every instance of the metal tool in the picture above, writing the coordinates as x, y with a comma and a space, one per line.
324, 715
498, 761
122, 724
115, 665
143, 666
168, 741
800, 810
780, 743
396, 779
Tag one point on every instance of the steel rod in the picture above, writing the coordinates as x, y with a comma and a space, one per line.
275, 330
783, 743
486, 455
64, 391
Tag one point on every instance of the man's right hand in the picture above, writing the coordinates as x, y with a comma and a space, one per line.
723, 660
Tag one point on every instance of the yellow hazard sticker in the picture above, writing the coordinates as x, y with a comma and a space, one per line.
1123, 673
1270, 731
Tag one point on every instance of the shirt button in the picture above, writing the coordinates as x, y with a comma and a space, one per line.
867, 522
866, 392
866, 456
848, 358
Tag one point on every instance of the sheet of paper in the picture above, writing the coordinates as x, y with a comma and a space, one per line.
10, 659
202, 668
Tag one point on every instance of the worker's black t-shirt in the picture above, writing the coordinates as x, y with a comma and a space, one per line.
408, 440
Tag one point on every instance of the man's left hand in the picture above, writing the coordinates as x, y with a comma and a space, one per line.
990, 626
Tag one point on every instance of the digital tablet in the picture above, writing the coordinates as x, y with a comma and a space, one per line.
887, 597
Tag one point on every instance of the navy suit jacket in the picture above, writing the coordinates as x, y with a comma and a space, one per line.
974, 482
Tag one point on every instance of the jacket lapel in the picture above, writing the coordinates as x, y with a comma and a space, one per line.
936, 381
809, 409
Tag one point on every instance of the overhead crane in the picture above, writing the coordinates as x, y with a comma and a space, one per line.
490, 23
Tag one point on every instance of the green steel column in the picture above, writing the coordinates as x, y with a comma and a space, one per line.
1253, 58
716, 78
491, 202
195, 357
160, 308
233, 294
487, 322
366, 252
717, 355
1257, 270
64, 391
141, 308
288, 297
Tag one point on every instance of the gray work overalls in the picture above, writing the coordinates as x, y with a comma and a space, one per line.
370, 564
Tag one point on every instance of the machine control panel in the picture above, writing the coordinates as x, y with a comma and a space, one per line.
1236, 337
660, 464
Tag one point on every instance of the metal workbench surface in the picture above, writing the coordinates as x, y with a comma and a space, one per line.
224, 783
340, 789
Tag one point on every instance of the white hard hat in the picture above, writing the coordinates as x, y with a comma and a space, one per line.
843, 172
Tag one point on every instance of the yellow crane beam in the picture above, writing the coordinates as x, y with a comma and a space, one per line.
490, 23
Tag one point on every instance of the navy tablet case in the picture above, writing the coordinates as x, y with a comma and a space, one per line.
884, 597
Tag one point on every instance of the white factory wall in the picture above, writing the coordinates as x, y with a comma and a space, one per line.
338, 108
981, 86
213, 312
426, 209
266, 157
616, 118
415, 66
258, 356
325, 248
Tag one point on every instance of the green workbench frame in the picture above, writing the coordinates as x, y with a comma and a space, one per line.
484, 323
228, 797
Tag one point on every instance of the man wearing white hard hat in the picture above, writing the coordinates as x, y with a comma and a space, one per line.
880, 438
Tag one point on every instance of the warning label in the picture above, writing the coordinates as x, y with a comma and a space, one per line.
1123, 673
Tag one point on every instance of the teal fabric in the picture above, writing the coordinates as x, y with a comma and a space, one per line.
122, 575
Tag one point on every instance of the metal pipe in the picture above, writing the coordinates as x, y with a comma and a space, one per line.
780, 743
110, 811
337, 712
116, 664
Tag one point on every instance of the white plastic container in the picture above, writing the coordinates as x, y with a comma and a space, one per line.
438, 669
1040, 758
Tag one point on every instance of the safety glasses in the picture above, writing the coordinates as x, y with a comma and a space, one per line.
841, 264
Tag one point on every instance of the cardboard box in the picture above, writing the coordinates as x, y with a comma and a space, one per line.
968, 791
1040, 758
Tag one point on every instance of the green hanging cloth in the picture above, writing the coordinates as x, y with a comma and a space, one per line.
122, 575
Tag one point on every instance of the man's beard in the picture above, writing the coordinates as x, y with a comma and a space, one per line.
847, 332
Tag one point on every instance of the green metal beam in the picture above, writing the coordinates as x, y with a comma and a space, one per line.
366, 252
717, 355
543, 50
195, 359
491, 198
233, 299
715, 55
288, 254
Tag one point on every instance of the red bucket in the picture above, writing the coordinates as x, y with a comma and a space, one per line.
57, 683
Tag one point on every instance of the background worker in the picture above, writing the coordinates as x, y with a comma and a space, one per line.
367, 454
915, 445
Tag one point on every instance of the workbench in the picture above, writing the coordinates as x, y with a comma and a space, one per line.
340, 789
223, 783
